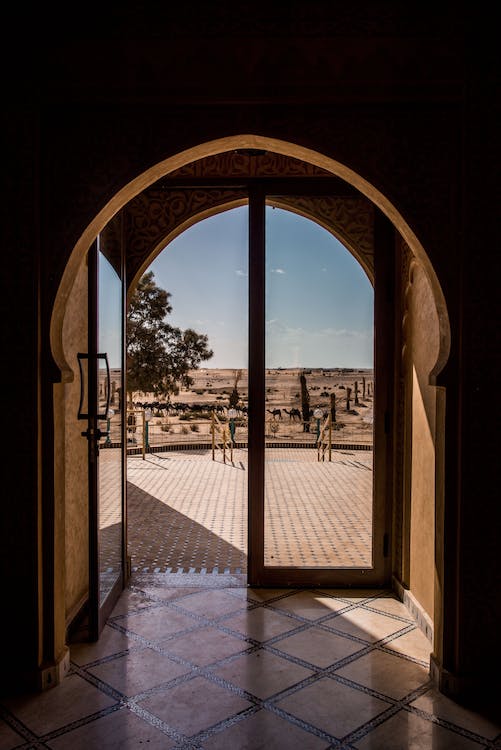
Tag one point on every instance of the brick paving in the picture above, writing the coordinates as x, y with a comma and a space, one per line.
188, 513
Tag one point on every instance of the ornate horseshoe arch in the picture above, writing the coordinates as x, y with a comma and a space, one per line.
183, 190
236, 156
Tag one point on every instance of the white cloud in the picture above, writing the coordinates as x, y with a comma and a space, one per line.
277, 270
276, 325
342, 333
239, 272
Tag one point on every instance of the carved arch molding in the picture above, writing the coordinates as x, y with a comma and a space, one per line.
164, 210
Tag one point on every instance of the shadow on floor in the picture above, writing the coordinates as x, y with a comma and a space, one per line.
160, 538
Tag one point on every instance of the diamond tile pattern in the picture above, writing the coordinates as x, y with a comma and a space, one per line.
233, 667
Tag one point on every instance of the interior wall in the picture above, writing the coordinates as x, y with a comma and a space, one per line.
75, 452
423, 341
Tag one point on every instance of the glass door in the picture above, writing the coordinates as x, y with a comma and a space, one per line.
107, 528
315, 517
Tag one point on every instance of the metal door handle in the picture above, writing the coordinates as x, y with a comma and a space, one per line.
81, 357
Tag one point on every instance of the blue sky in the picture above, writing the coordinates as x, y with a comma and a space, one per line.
319, 301
110, 313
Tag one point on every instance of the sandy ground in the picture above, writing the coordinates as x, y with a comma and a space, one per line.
212, 388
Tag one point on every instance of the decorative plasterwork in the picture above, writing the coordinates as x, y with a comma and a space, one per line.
157, 216
162, 212
403, 417
249, 163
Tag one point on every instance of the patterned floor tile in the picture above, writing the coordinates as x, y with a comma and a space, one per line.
311, 606
70, 701
264, 730
8, 737
262, 674
211, 604
387, 674
157, 624
204, 646
261, 624
194, 705
335, 708
406, 731
414, 644
120, 730
318, 647
142, 670
110, 642
366, 625
251, 679
436, 704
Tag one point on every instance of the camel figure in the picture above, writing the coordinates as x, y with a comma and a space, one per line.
293, 414
275, 413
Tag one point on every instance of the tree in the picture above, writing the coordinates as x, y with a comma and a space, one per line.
234, 395
305, 403
159, 356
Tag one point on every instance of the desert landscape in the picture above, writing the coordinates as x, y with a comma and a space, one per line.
187, 416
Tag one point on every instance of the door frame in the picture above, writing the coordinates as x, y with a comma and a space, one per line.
259, 190
258, 573
99, 611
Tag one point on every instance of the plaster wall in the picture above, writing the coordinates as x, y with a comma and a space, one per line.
424, 340
75, 452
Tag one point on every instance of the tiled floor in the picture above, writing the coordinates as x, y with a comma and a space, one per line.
222, 667
189, 513
192, 661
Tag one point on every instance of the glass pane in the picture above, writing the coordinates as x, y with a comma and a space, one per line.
319, 386
109, 407
193, 497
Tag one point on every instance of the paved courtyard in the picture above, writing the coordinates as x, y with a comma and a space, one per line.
188, 513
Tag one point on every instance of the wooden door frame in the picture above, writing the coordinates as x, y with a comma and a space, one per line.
379, 574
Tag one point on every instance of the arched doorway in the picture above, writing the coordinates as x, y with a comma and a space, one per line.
318, 490
333, 196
